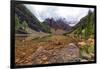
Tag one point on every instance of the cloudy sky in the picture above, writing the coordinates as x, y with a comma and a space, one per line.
69, 13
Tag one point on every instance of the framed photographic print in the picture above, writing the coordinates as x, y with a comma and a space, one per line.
50, 34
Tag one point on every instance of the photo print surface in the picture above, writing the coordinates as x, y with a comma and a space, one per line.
49, 34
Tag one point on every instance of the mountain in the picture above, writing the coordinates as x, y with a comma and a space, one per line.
25, 19
87, 22
85, 27
58, 24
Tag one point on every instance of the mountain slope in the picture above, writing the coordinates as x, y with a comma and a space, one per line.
25, 19
85, 27
58, 26
87, 22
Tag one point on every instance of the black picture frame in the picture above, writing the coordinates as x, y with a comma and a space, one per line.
12, 40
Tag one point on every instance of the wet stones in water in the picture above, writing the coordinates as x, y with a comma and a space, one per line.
70, 53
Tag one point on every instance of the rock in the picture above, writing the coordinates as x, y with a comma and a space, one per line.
86, 56
23, 53
63, 55
77, 60
92, 55
81, 43
58, 43
17, 60
84, 60
56, 59
44, 57
40, 49
46, 62
40, 56
29, 63
70, 53
26, 61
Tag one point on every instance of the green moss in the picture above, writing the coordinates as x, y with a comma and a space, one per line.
86, 50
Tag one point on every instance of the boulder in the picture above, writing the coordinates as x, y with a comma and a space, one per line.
69, 53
